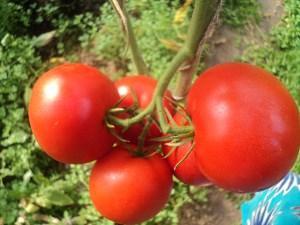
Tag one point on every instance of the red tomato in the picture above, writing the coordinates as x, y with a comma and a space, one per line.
128, 189
143, 88
66, 112
246, 127
188, 171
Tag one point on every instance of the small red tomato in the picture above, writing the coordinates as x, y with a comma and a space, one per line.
142, 87
66, 113
188, 171
128, 189
246, 123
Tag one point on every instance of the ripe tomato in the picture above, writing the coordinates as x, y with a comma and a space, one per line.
143, 88
66, 112
128, 189
188, 171
246, 127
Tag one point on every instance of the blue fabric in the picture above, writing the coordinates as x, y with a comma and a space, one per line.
277, 205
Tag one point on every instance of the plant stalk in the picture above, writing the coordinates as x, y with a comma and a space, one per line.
209, 15
186, 53
136, 55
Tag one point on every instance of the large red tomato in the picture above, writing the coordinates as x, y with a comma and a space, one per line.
188, 171
128, 189
246, 127
142, 87
67, 110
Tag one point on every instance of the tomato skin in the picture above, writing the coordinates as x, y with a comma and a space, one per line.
66, 113
143, 88
188, 171
246, 123
128, 189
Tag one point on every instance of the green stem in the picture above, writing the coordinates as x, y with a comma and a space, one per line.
198, 26
161, 116
132, 43
128, 122
142, 136
187, 52
135, 52
158, 93
209, 9
181, 130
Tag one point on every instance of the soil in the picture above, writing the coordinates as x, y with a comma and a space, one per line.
218, 210
226, 45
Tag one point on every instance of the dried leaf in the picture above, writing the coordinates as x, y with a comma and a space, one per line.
170, 152
118, 6
116, 110
186, 155
57, 60
171, 44
181, 13
44, 39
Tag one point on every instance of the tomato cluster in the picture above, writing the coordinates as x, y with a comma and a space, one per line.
246, 134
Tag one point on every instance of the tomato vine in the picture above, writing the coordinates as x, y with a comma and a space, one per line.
203, 21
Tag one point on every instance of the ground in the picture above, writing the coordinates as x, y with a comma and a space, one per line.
217, 210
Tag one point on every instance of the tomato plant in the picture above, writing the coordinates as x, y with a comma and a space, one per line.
139, 90
67, 110
128, 189
246, 127
187, 171
246, 124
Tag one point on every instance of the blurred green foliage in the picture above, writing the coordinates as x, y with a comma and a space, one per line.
37, 190
152, 22
279, 52
27, 17
237, 13
33, 188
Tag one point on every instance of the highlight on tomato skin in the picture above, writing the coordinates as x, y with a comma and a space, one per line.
142, 88
66, 112
130, 189
187, 171
246, 123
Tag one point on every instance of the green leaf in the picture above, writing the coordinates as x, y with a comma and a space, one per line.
18, 136
27, 95
54, 197
44, 39
4, 39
